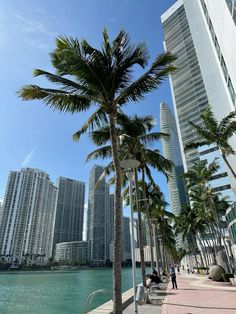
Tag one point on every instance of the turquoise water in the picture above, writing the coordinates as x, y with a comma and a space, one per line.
56, 292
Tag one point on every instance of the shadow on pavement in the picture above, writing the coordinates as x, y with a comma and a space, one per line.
201, 307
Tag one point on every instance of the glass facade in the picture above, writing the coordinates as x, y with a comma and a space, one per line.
231, 219
188, 87
230, 4
72, 251
100, 224
69, 210
232, 8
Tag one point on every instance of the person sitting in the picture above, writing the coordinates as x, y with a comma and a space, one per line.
154, 282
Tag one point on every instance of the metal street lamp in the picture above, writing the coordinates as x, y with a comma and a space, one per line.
130, 165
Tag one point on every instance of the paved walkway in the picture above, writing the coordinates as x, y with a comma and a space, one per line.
195, 295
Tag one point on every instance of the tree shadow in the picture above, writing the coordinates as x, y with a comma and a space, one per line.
201, 307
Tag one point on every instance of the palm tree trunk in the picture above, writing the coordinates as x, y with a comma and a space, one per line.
228, 165
148, 218
202, 251
157, 249
140, 234
150, 237
117, 252
229, 265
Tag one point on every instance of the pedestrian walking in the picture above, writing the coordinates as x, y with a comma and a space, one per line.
188, 270
173, 277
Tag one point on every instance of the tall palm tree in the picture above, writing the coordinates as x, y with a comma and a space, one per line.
134, 137
207, 205
218, 133
89, 77
160, 218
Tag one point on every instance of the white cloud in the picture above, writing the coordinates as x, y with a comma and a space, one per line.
28, 158
34, 31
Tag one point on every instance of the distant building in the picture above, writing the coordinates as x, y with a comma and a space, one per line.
76, 251
126, 238
28, 216
100, 223
109, 222
1, 212
69, 210
171, 150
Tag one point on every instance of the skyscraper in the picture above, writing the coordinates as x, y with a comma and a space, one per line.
126, 238
100, 222
1, 212
171, 150
198, 33
28, 216
69, 210
109, 222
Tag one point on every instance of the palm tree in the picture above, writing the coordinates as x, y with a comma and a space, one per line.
89, 77
218, 133
134, 137
160, 219
207, 205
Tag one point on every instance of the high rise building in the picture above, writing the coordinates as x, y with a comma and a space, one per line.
200, 33
171, 150
126, 238
69, 211
99, 222
1, 211
109, 222
28, 216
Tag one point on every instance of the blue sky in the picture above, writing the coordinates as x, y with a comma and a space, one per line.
31, 134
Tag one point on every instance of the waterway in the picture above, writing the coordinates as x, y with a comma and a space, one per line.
56, 292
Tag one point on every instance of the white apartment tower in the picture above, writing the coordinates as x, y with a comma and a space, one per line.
171, 151
202, 35
28, 216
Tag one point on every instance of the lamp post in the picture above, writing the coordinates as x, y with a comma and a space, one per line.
130, 165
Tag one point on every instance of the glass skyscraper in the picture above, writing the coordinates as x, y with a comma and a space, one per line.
69, 210
100, 221
171, 150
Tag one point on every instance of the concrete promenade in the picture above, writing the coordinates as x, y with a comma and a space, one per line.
195, 295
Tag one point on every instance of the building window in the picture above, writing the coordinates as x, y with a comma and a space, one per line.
232, 7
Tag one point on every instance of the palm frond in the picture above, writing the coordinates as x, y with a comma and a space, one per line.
101, 136
67, 84
56, 99
203, 132
195, 145
210, 122
102, 152
106, 172
159, 70
152, 137
97, 119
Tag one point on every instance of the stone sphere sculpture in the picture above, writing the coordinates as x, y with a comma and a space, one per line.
216, 272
